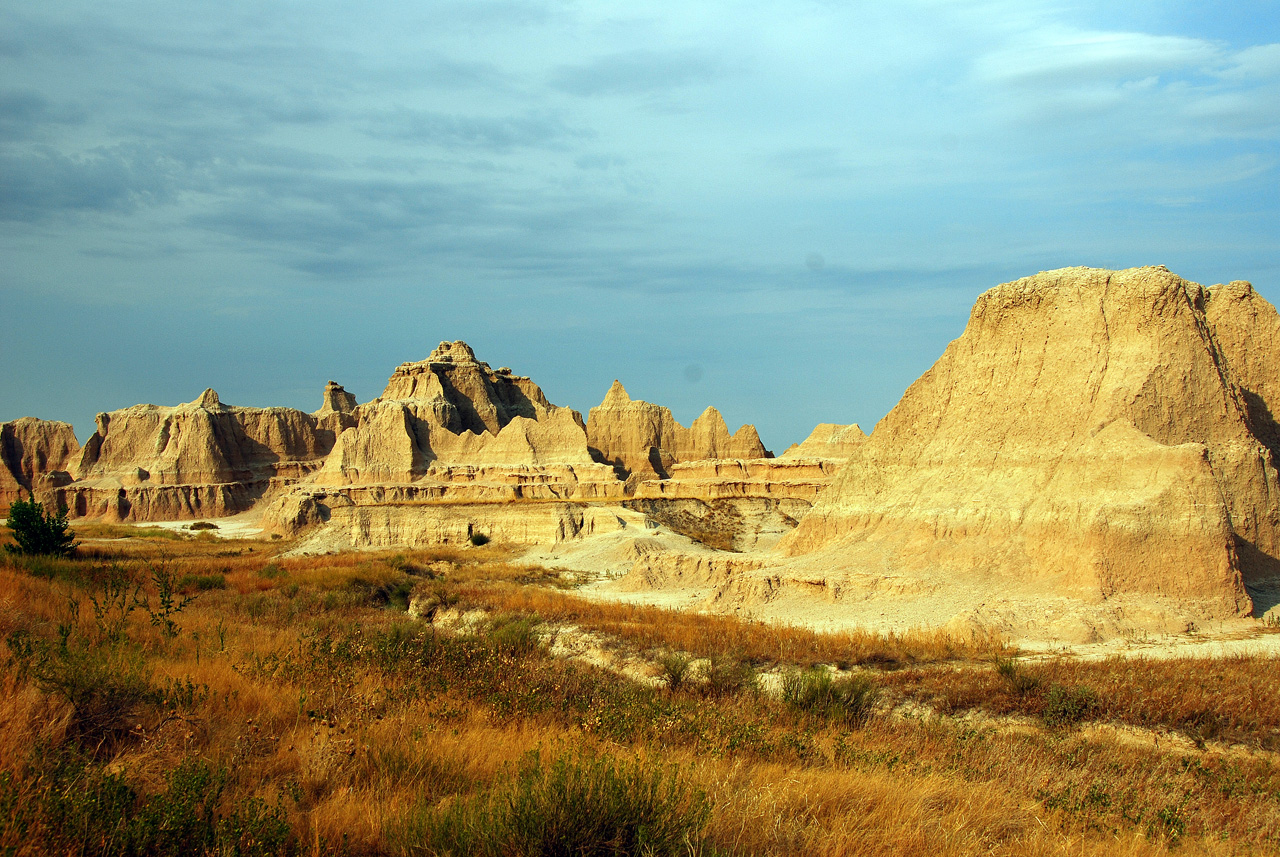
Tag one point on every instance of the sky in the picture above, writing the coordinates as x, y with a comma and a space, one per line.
782, 209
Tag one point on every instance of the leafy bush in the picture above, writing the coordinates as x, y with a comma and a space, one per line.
78, 807
849, 700
39, 533
1066, 706
514, 635
725, 675
106, 687
203, 525
675, 668
479, 539
1020, 682
583, 806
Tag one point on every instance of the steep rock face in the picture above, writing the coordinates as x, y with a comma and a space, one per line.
452, 409
481, 399
1084, 430
1247, 329
31, 449
199, 459
645, 440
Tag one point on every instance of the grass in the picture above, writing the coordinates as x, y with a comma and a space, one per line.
301, 711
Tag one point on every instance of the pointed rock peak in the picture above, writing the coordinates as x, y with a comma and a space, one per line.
616, 397
208, 400
711, 415
337, 399
452, 352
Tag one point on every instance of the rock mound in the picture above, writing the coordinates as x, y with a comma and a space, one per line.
1087, 431
643, 439
202, 458
828, 442
33, 451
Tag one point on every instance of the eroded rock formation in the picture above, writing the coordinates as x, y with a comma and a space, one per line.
1087, 429
199, 459
34, 454
643, 439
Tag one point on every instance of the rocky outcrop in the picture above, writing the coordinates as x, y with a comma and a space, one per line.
34, 453
1085, 431
452, 409
828, 442
200, 459
1247, 330
642, 439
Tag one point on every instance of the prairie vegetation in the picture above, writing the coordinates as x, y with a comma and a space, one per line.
205, 696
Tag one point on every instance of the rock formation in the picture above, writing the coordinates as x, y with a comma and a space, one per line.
200, 459
643, 439
1087, 430
828, 442
34, 453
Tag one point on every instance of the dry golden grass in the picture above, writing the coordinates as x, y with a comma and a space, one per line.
314, 699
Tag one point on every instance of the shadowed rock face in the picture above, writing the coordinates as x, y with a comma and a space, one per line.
452, 409
1087, 428
643, 439
31, 449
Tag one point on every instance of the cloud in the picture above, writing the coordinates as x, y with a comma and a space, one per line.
467, 133
634, 73
38, 185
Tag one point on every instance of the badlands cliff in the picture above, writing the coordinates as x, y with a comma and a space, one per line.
1088, 429
1092, 438
32, 452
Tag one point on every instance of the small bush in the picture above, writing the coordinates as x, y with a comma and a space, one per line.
1066, 706
189, 583
203, 525
107, 687
849, 700
479, 539
38, 533
514, 635
78, 807
1020, 682
675, 668
725, 675
585, 806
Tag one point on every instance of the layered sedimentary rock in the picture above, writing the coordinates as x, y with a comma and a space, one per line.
449, 430
828, 442
200, 459
1247, 329
452, 421
33, 452
643, 439
1086, 431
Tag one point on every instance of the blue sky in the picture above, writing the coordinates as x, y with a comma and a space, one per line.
785, 210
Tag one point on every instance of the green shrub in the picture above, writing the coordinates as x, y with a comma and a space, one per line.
479, 539
850, 699
514, 635
77, 807
106, 686
1020, 682
1066, 706
203, 525
37, 532
584, 806
201, 582
725, 675
675, 668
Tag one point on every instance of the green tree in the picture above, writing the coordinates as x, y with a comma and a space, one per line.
38, 532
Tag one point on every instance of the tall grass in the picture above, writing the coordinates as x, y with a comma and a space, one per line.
330, 723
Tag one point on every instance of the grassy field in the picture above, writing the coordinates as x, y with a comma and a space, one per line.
171, 695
